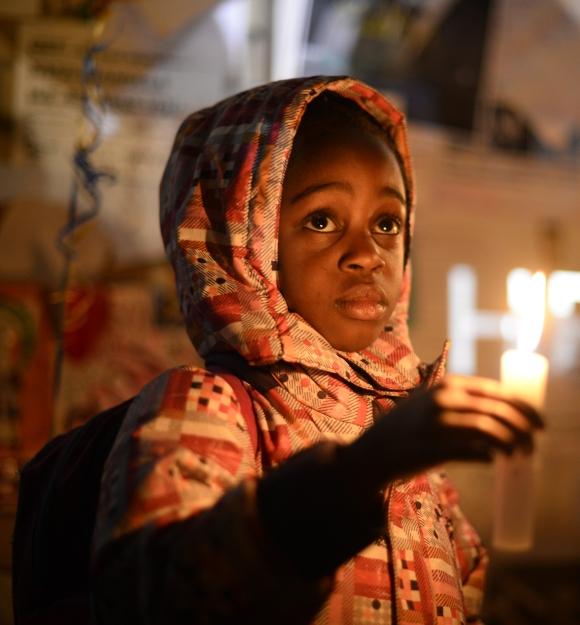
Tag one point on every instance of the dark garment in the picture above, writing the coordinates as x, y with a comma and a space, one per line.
58, 498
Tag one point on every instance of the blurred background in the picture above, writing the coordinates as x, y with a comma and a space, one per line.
91, 94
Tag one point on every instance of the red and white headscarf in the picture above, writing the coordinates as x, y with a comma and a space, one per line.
220, 204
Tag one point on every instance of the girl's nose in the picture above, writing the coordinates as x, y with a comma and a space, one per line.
362, 254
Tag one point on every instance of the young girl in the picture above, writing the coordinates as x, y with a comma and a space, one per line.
287, 212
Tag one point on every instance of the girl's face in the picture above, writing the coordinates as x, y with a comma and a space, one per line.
341, 239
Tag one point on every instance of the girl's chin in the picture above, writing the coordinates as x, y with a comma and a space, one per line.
348, 335
350, 341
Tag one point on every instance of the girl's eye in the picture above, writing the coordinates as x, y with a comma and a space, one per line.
320, 223
388, 225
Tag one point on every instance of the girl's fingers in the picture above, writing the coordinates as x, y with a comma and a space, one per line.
487, 386
467, 390
449, 398
476, 426
528, 410
480, 422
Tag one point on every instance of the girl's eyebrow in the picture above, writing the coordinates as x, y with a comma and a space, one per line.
321, 186
343, 186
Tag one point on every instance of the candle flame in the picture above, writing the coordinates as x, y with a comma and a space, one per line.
527, 299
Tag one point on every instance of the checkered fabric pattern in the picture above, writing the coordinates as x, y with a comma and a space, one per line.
184, 448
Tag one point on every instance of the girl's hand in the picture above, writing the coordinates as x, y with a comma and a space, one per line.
462, 418
459, 419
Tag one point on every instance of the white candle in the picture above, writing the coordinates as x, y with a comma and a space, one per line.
524, 375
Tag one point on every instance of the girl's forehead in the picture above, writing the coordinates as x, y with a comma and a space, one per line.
349, 163
319, 146
330, 117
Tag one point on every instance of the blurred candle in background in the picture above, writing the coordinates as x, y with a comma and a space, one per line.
524, 374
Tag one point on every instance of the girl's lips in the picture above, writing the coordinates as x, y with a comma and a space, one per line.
362, 309
363, 303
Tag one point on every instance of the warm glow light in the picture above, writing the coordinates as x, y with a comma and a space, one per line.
469, 323
563, 293
526, 297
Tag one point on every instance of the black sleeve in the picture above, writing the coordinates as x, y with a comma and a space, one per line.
218, 567
320, 509
259, 559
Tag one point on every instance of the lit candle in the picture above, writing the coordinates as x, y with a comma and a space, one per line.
524, 375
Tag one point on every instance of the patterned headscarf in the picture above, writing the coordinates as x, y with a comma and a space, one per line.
220, 205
